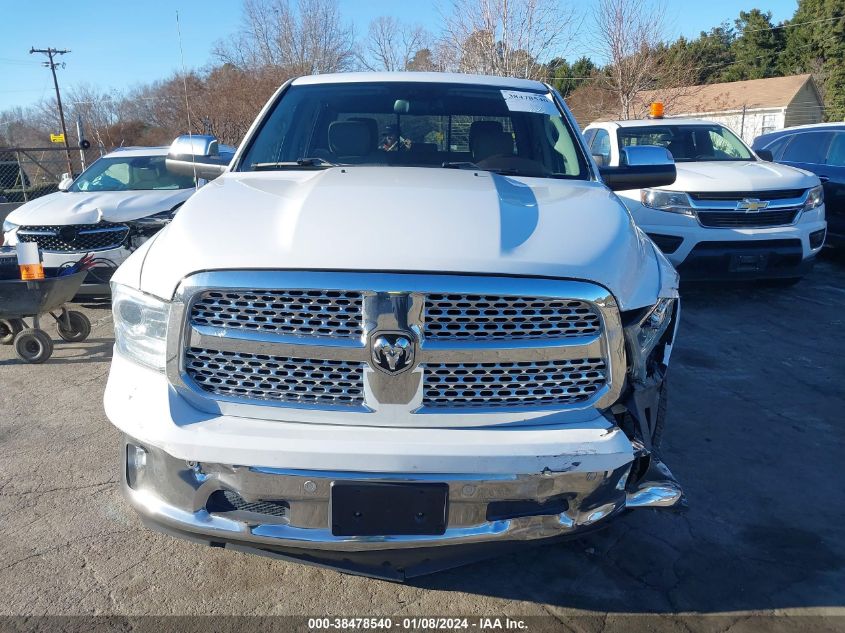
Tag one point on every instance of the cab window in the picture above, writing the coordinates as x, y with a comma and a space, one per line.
809, 147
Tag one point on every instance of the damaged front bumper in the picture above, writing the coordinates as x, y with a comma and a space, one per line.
289, 512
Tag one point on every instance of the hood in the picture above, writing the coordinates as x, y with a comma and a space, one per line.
410, 220
741, 176
85, 207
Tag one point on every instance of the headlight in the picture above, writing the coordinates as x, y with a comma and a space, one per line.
645, 332
157, 220
672, 201
9, 226
140, 326
815, 198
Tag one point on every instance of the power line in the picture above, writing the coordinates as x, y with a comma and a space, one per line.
51, 64
790, 25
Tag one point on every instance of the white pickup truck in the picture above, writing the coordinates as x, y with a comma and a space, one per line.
409, 325
729, 214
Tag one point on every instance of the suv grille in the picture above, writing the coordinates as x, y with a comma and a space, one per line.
276, 378
775, 194
480, 317
319, 313
75, 237
732, 219
512, 384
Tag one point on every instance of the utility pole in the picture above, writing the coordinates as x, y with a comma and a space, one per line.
50, 52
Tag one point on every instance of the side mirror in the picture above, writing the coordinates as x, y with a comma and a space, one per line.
600, 160
197, 155
764, 154
65, 182
643, 166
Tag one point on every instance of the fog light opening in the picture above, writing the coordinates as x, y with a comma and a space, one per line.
136, 462
817, 238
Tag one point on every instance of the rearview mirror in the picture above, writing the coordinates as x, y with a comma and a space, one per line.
642, 166
65, 182
198, 156
764, 154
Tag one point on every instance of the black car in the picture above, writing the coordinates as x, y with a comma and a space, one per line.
820, 149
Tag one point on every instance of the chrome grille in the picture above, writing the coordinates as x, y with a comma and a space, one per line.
276, 378
540, 344
454, 385
479, 317
316, 313
731, 219
75, 237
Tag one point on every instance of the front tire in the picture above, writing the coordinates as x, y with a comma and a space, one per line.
660, 424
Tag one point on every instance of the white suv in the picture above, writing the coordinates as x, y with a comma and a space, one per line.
110, 209
729, 214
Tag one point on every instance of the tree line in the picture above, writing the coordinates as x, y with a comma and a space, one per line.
279, 39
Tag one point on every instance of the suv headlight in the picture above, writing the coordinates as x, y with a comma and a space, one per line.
645, 332
140, 326
815, 198
9, 226
672, 201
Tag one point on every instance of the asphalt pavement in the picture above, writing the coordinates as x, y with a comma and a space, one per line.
755, 434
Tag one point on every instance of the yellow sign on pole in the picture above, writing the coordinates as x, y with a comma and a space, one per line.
57, 138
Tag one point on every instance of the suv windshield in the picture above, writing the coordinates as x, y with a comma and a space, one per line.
689, 143
514, 132
124, 173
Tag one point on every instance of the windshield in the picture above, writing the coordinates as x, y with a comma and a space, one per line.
125, 173
514, 132
689, 143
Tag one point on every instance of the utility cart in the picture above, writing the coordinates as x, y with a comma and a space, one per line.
21, 300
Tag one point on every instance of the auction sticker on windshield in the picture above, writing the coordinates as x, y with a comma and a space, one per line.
518, 101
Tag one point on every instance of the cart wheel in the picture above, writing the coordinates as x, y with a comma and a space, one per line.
33, 346
80, 327
8, 329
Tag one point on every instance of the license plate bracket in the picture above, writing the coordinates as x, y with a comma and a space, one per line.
388, 509
749, 262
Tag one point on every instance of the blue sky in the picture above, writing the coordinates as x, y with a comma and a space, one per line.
116, 45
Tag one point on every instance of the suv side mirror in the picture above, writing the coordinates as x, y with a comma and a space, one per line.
764, 154
197, 155
642, 166
65, 182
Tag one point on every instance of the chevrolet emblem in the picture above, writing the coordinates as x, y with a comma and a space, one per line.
751, 205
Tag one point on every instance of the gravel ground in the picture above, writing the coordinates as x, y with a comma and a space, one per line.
755, 436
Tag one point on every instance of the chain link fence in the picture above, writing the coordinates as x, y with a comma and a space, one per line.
27, 173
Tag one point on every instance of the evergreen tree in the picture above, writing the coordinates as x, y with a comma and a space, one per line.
756, 49
816, 44
566, 78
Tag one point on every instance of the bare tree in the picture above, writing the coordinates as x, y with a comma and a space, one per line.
392, 45
506, 37
630, 35
305, 38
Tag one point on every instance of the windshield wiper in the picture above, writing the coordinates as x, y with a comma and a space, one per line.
461, 165
307, 163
